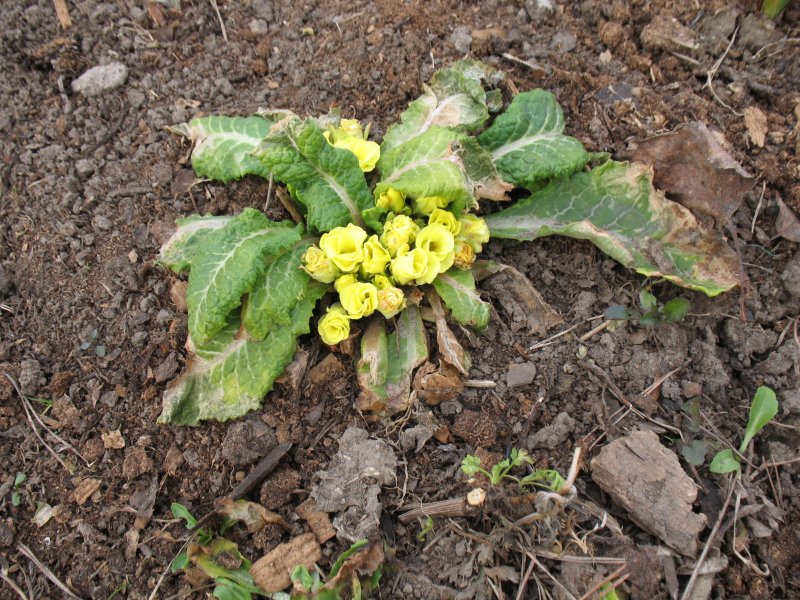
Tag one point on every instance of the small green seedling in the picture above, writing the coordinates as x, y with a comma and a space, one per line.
426, 526
762, 410
773, 8
471, 465
652, 312
16, 496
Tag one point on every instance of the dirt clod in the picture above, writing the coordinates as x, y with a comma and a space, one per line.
247, 441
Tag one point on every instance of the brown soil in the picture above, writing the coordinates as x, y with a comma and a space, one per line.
87, 322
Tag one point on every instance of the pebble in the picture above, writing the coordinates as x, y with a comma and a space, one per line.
791, 277
519, 375
461, 39
554, 434
139, 338
564, 41
84, 168
101, 79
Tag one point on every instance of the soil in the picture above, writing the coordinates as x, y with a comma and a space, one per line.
90, 330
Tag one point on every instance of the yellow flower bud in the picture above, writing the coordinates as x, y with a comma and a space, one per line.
399, 234
437, 240
318, 265
376, 257
382, 281
359, 299
408, 266
344, 281
474, 231
445, 218
334, 326
344, 246
392, 200
391, 301
465, 255
367, 152
427, 204
350, 127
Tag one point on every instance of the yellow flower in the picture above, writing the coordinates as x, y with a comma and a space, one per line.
439, 242
446, 218
434, 268
391, 301
376, 257
344, 281
334, 327
465, 255
318, 265
408, 266
344, 246
382, 281
351, 127
359, 299
427, 204
474, 231
399, 234
392, 200
367, 152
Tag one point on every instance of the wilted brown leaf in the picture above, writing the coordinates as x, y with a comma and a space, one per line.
317, 520
272, 572
113, 439
364, 562
436, 384
85, 489
449, 347
787, 224
693, 167
253, 515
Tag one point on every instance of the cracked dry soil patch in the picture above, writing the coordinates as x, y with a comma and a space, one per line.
87, 323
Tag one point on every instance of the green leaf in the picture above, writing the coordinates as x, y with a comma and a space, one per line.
180, 562
616, 207
455, 99
354, 547
762, 410
724, 461
441, 162
230, 375
471, 465
527, 141
230, 590
373, 364
326, 180
277, 292
457, 290
695, 453
647, 300
181, 248
617, 312
303, 577
223, 146
227, 265
19, 479
676, 309
179, 511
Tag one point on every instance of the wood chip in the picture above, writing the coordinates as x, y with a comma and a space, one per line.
85, 489
756, 123
647, 480
272, 572
62, 12
113, 439
318, 520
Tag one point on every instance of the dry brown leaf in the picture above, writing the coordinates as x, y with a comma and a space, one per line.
756, 123
363, 562
113, 439
272, 572
436, 384
318, 520
253, 515
85, 489
787, 225
177, 293
449, 347
693, 167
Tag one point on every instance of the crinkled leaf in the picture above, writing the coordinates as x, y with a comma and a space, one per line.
441, 162
222, 560
230, 376
407, 348
254, 516
724, 461
179, 511
223, 146
227, 265
527, 141
373, 365
326, 180
762, 410
278, 291
456, 98
457, 290
181, 248
616, 207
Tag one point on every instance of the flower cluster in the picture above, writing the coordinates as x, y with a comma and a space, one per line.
367, 270
350, 136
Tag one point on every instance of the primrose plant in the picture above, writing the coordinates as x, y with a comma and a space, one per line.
390, 228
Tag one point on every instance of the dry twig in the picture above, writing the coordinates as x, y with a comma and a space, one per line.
221, 22
28, 553
62, 12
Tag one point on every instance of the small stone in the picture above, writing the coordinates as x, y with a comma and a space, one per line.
691, 389
133, 256
166, 369
519, 375
538, 8
139, 338
259, 26
791, 277
564, 41
461, 39
554, 434
101, 222
101, 79
84, 168
164, 316
790, 402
